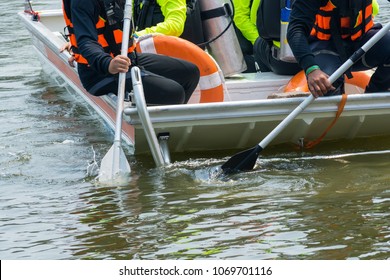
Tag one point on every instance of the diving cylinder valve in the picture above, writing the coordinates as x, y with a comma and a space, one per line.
218, 30
286, 53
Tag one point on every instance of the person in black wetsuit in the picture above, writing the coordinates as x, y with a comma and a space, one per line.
322, 35
96, 43
263, 52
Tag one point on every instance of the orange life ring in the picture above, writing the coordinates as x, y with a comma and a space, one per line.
298, 83
211, 83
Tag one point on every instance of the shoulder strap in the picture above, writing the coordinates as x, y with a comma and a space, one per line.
336, 37
268, 19
144, 13
109, 29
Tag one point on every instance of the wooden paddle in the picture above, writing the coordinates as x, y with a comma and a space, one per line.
246, 160
115, 168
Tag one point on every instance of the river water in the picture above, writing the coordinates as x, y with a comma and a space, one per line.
332, 202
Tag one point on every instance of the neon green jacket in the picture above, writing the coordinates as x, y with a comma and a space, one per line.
174, 12
375, 7
245, 17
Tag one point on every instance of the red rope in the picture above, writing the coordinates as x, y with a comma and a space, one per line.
340, 109
35, 15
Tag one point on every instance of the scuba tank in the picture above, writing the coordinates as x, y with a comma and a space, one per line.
220, 36
285, 50
272, 21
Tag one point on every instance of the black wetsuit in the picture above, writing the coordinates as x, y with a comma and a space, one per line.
166, 80
311, 51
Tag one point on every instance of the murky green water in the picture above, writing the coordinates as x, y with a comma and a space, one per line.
332, 202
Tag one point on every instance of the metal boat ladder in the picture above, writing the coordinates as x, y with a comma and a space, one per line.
158, 147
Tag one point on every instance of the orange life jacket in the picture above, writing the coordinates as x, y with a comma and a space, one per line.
353, 24
112, 46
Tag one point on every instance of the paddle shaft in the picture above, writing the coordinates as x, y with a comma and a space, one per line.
114, 167
122, 76
340, 71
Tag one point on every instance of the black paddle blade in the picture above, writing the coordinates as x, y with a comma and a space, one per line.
243, 161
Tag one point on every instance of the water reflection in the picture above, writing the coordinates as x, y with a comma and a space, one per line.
281, 211
104, 212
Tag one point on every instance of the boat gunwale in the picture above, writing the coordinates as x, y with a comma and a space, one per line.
357, 104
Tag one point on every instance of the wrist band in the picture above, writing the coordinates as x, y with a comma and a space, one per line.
311, 69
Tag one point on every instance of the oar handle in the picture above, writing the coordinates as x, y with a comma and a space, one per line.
340, 71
